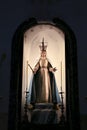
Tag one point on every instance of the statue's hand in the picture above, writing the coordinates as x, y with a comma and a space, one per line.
54, 69
34, 71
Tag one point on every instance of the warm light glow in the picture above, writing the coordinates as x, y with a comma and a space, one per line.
55, 41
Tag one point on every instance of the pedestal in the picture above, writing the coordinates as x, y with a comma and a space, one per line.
43, 114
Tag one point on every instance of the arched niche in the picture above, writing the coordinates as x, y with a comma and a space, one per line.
62, 51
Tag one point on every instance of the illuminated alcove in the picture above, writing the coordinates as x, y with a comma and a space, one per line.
61, 52
55, 53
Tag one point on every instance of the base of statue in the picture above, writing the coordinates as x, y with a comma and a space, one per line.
43, 113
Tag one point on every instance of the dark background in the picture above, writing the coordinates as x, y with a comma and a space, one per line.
13, 13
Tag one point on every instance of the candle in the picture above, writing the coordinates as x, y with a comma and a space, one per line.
27, 75
61, 75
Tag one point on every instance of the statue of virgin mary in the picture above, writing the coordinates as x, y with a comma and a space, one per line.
43, 87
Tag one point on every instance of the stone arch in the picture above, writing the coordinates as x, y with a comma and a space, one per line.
72, 91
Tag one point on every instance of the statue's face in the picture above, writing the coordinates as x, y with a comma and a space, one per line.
43, 54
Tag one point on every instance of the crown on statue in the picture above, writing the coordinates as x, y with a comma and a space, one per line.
42, 46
